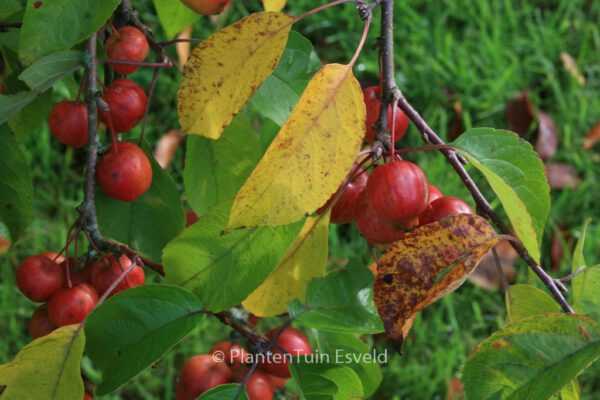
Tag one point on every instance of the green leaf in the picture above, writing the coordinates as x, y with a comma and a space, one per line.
223, 392
341, 301
9, 7
16, 185
11, 104
43, 73
135, 327
215, 170
278, 95
174, 16
222, 270
586, 287
47, 368
149, 222
572, 391
350, 351
578, 262
326, 381
517, 176
31, 117
532, 358
51, 26
523, 301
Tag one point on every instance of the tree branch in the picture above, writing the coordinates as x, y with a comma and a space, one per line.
391, 94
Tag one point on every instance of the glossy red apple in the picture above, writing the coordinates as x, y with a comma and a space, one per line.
277, 382
68, 122
127, 44
373, 105
127, 102
124, 172
199, 374
442, 208
71, 306
40, 325
259, 386
434, 194
291, 340
107, 269
234, 353
207, 7
39, 278
398, 192
342, 211
372, 226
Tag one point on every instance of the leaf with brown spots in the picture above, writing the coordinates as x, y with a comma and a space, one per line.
226, 69
426, 264
310, 156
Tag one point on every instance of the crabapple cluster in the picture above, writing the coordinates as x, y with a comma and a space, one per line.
230, 363
395, 197
124, 172
70, 292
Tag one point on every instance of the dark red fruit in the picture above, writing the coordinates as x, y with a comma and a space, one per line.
291, 340
69, 124
88, 396
434, 194
40, 325
372, 226
190, 218
71, 306
53, 256
199, 374
128, 44
398, 192
442, 208
106, 270
343, 210
124, 172
277, 382
207, 7
234, 353
127, 102
372, 102
39, 278
259, 386
84, 275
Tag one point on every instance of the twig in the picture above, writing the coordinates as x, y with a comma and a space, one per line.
6, 26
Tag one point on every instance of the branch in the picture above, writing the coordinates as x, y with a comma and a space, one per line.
390, 95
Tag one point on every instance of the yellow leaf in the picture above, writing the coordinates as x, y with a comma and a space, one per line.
310, 156
304, 260
226, 69
273, 5
426, 264
47, 368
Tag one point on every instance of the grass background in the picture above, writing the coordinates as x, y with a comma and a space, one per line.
483, 52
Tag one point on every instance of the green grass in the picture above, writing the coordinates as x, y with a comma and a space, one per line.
483, 52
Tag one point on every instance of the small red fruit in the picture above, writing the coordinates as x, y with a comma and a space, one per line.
71, 306
88, 396
234, 353
38, 278
373, 104
398, 192
444, 207
434, 194
106, 270
190, 218
259, 386
127, 102
127, 44
291, 340
84, 275
277, 382
343, 210
199, 374
68, 122
371, 225
40, 325
124, 172
207, 7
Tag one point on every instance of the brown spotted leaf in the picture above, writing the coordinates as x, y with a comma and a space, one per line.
520, 113
426, 264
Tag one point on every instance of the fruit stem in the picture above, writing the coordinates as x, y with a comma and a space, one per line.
113, 29
147, 110
321, 8
362, 41
166, 64
80, 91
